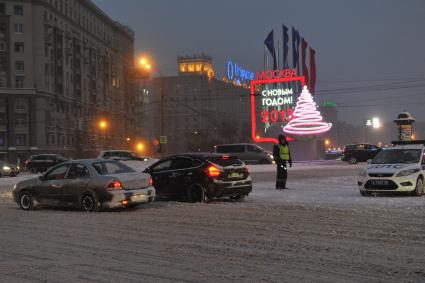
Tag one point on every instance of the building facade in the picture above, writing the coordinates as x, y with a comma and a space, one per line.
193, 110
64, 66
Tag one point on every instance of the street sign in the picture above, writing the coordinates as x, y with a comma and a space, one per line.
163, 139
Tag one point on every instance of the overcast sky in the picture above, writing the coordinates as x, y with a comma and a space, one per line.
362, 45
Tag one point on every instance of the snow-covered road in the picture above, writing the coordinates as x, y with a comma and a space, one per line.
320, 230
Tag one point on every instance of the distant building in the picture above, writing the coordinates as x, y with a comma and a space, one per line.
198, 109
64, 66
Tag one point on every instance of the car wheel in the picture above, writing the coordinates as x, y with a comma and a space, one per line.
419, 189
196, 193
237, 198
26, 202
352, 160
89, 203
33, 170
364, 194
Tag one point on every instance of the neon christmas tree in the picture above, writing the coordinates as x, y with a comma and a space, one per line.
306, 119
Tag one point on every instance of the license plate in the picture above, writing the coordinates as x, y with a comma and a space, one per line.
380, 182
234, 175
138, 198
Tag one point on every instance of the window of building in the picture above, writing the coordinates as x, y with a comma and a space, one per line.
21, 139
19, 47
19, 10
2, 47
19, 66
2, 138
2, 8
20, 120
19, 82
3, 119
3, 27
20, 104
19, 28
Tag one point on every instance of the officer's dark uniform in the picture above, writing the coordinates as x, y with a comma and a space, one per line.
282, 155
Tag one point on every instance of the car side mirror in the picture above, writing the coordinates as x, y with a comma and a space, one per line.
41, 177
147, 170
369, 161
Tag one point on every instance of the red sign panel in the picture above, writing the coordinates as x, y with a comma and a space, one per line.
274, 104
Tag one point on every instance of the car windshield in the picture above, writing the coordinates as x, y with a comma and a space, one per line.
397, 156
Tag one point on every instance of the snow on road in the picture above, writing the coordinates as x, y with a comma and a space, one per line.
307, 184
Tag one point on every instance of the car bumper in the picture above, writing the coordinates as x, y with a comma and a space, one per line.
234, 188
393, 184
124, 198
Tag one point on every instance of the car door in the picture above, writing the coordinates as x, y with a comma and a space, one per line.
181, 175
76, 181
360, 152
50, 185
160, 173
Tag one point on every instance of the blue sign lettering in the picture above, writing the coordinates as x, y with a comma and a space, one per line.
238, 74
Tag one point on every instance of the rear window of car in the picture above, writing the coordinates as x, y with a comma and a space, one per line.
110, 167
230, 148
225, 161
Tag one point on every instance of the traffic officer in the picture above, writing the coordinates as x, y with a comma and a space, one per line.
282, 155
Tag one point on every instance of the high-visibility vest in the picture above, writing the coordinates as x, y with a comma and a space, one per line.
284, 152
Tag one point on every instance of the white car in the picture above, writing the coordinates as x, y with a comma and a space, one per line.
397, 169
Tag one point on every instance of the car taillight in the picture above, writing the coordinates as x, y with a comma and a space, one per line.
150, 181
245, 169
114, 185
213, 171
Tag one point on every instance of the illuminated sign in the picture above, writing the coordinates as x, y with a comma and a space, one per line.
276, 97
236, 73
273, 111
306, 120
272, 100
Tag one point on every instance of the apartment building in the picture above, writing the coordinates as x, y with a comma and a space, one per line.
64, 66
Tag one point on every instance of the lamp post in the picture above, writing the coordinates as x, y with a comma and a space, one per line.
103, 125
374, 123
144, 63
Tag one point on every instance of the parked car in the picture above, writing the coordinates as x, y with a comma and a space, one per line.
42, 162
7, 169
200, 177
397, 169
122, 155
90, 184
361, 152
248, 153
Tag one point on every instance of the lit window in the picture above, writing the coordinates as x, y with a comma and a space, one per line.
183, 68
190, 67
198, 67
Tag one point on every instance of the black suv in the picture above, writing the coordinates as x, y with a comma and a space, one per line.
362, 152
200, 177
42, 162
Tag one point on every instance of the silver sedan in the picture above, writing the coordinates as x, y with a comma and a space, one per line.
89, 184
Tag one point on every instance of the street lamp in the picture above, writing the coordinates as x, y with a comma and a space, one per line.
146, 65
103, 124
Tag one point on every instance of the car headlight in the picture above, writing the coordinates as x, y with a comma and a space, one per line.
6, 168
362, 173
407, 172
